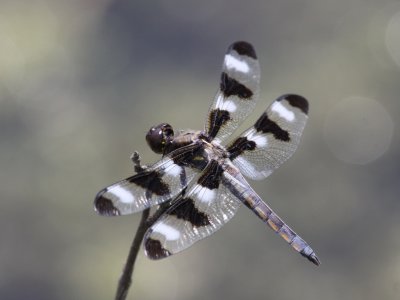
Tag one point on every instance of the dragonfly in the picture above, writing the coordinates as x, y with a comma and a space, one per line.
202, 174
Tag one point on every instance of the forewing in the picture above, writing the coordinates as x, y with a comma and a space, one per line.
273, 138
159, 183
206, 207
238, 92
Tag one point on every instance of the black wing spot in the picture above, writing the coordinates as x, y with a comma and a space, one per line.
152, 182
155, 250
230, 86
104, 206
296, 101
211, 176
217, 119
243, 48
240, 145
266, 125
187, 211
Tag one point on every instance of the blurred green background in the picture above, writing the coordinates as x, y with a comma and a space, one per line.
81, 82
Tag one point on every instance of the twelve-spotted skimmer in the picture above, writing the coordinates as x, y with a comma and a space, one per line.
203, 179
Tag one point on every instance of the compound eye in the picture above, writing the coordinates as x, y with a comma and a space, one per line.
159, 137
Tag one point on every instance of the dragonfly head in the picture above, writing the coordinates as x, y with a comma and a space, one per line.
159, 137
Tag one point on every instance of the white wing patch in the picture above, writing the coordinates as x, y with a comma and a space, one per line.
168, 231
173, 169
204, 194
282, 111
229, 106
225, 105
124, 195
232, 62
260, 140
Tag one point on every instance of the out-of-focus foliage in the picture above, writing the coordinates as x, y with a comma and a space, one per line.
82, 81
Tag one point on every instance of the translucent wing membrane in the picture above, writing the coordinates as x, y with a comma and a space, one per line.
161, 182
272, 140
238, 92
206, 207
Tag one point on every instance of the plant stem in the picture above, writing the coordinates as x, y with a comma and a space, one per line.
126, 277
146, 222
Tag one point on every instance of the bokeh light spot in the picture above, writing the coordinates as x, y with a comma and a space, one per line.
392, 38
358, 130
